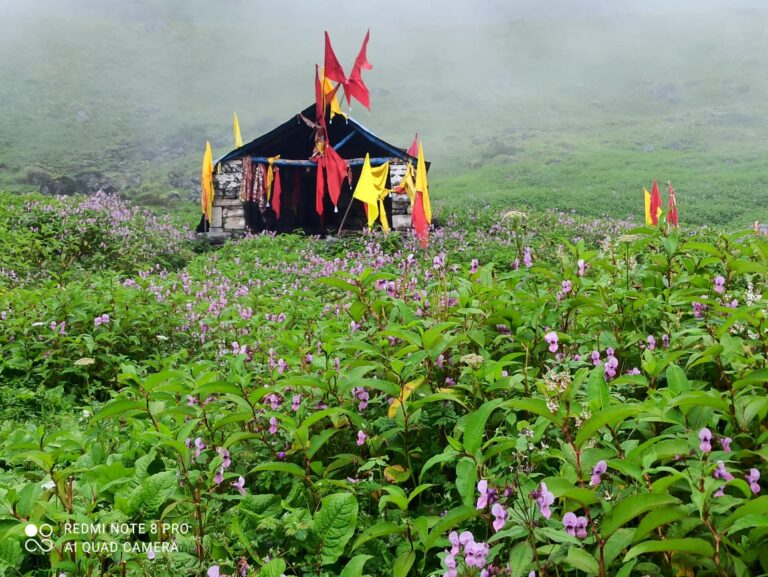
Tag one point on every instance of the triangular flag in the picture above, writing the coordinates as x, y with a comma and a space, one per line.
333, 69
672, 206
366, 188
206, 182
319, 98
655, 203
647, 197
330, 96
421, 183
419, 220
336, 171
238, 137
355, 87
413, 149
276, 193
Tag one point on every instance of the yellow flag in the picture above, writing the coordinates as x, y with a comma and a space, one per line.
371, 190
328, 89
270, 175
421, 183
408, 183
206, 180
238, 137
647, 206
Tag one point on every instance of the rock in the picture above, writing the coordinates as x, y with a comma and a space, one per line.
82, 115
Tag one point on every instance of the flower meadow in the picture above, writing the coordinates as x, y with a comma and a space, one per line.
537, 395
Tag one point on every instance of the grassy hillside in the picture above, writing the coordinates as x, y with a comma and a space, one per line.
571, 109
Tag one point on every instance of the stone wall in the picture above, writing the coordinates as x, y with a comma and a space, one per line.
228, 216
401, 204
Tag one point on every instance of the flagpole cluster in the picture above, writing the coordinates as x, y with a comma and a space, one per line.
653, 205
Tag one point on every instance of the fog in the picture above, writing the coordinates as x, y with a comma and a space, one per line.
476, 80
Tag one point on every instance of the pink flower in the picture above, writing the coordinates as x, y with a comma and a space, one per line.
239, 485
595, 356
719, 283
725, 442
611, 364
219, 476
651, 342
752, 478
721, 472
361, 436
705, 436
475, 264
544, 498
151, 554
295, 402
453, 537
272, 425
551, 338
566, 286
598, 471
225, 460
213, 571
482, 500
500, 517
527, 259
199, 447
582, 267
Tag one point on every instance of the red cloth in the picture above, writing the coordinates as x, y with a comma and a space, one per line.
319, 103
655, 203
276, 190
333, 69
320, 186
413, 149
355, 87
336, 171
672, 206
419, 220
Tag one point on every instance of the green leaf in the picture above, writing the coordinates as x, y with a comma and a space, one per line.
583, 561
631, 507
28, 498
611, 417
466, 479
452, 519
403, 563
520, 558
355, 566
689, 545
334, 524
474, 427
275, 568
119, 407
748, 522
290, 468
378, 530
654, 519
754, 507
676, 380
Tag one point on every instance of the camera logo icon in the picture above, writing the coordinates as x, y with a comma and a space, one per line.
39, 538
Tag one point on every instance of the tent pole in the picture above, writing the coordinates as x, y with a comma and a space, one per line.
344, 218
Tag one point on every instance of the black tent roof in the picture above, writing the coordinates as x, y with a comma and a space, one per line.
294, 140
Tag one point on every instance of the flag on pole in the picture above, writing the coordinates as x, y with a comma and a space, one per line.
655, 204
672, 206
371, 190
333, 69
331, 97
206, 181
647, 196
276, 194
355, 87
238, 137
413, 149
421, 184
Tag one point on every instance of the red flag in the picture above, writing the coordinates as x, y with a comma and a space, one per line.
319, 101
655, 203
277, 188
419, 220
413, 149
333, 69
336, 171
672, 206
356, 88
320, 186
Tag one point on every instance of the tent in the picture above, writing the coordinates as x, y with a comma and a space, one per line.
294, 142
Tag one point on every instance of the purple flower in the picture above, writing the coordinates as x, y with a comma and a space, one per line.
281, 366
503, 329
719, 287
698, 309
213, 571
225, 460
482, 500
449, 382
199, 447
361, 438
720, 491
598, 471
544, 498
651, 342
611, 364
272, 425
353, 326
595, 356
551, 338
281, 455
500, 517
475, 264
705, 436
295, 402
725, 442
582, 267
219, 476
566, 286
239, 485
466, 537
191, 401
575, 526
453, 537
527, 259
752, 478
720, 472
665, 341
151, 554
308, 357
